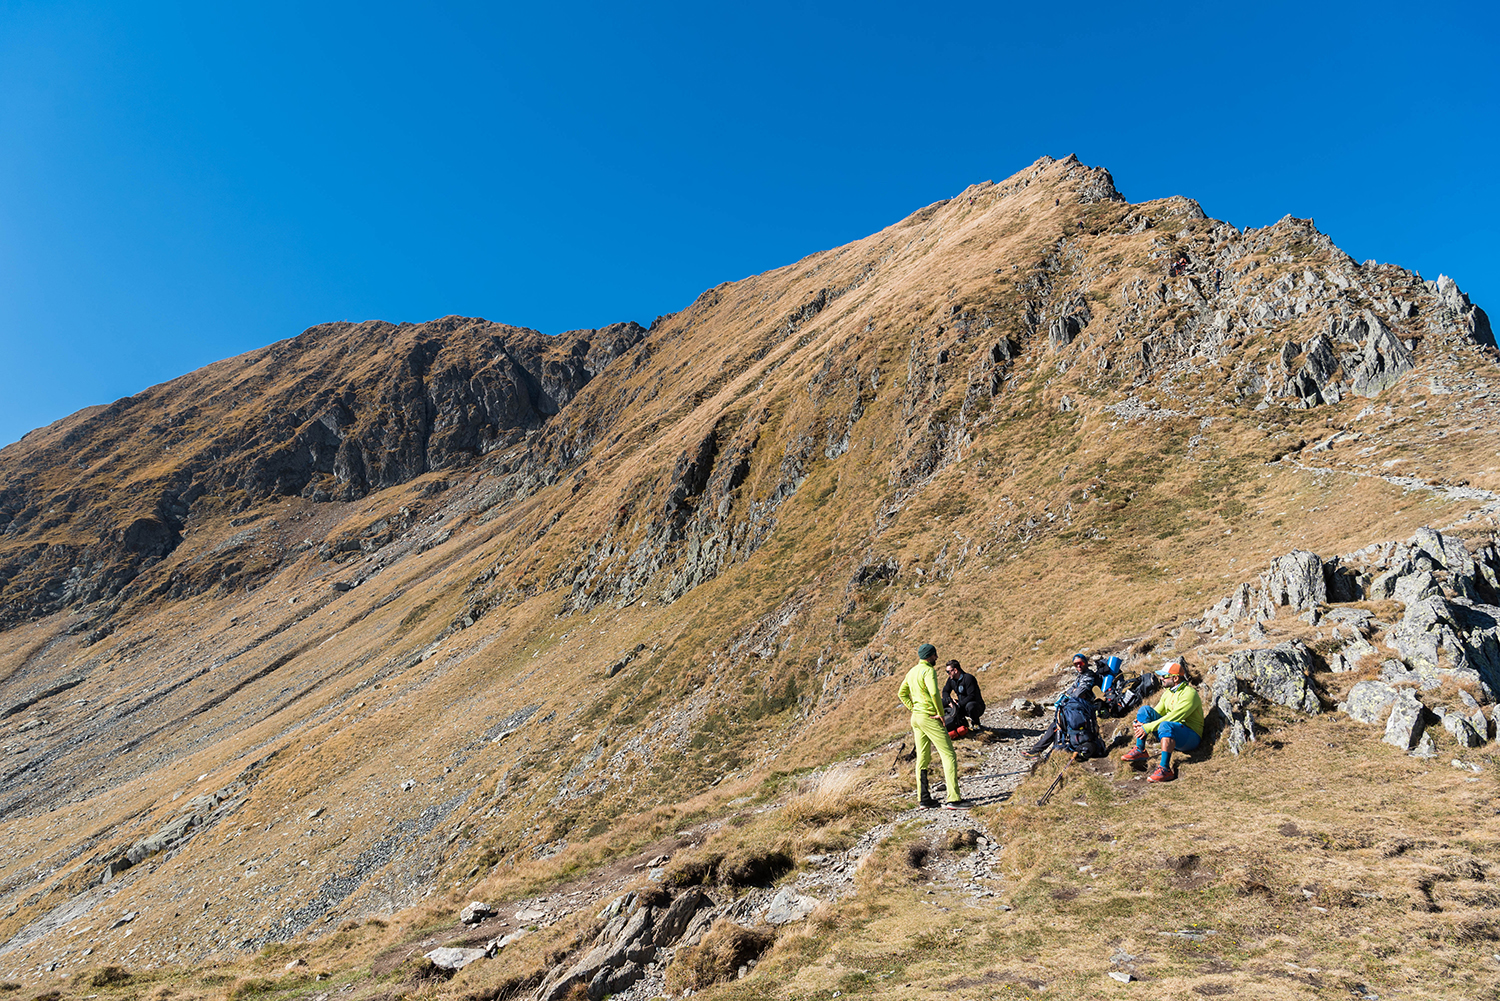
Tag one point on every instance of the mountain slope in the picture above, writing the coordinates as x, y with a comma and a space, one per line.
415, 604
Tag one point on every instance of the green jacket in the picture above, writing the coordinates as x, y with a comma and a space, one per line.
919, 692
1179, 705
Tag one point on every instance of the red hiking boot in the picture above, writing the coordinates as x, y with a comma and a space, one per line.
1134, 754
1160, 774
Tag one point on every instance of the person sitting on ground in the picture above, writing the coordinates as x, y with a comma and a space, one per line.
961, 699
1177, 720
1081, 688
919, 693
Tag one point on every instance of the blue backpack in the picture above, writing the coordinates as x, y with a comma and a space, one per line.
1078, 727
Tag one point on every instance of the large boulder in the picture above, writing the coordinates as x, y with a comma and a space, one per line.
1296, 580
1429, 627
451, 959
1369, 701
788, 905
1405, 727
1281, 674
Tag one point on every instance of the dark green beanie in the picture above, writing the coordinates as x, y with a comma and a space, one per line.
927, 652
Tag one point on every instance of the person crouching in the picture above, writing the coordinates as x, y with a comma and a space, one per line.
961, 699
1177, 720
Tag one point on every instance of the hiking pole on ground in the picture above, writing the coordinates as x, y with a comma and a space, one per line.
1056, 784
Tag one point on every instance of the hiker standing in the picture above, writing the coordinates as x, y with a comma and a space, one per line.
1177, 720
961, 699
919, 693
1081, 688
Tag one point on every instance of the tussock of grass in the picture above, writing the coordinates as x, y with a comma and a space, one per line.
726, 949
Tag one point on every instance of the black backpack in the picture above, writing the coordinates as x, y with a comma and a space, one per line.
1124, 698
1078, 727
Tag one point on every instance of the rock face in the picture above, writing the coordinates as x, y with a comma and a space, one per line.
1449, 631
335, 413
635, 929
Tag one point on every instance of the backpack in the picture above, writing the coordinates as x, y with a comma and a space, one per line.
1123, 699
1078, 728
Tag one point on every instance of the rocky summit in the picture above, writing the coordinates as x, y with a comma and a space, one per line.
455, 659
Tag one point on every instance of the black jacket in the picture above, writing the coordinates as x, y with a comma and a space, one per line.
1083, 686
967, 688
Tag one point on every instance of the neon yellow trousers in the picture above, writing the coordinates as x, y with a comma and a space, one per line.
931, 733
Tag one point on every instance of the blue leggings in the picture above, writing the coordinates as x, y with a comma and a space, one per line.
1180, 733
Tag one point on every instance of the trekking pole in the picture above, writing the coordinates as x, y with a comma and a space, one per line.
1056, 784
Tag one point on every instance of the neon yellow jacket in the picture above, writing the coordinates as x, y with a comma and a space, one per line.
919, 692
1179, 705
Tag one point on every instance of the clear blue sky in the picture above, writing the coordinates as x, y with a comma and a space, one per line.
183, 182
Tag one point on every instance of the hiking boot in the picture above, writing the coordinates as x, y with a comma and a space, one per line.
957, 804
1134, 754
1160, 774
927, 804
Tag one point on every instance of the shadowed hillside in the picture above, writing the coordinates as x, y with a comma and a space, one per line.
309, 648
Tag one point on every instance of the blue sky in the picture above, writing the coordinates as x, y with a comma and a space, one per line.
183, 182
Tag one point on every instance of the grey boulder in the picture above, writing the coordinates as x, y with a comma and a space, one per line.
788, 905
1404, 727
1368, 701
448, 958
1296, 580
474, 912
1281, 674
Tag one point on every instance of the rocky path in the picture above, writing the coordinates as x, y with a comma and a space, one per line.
972, 871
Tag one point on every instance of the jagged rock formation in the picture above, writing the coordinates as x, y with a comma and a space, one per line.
1449, 630
339, 411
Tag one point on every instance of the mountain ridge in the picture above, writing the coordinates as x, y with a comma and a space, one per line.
1025, 419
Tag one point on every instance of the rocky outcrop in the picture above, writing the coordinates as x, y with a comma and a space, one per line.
1449, 631
1281, 675
333, 414
636, 928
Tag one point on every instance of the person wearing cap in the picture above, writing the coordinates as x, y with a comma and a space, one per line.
919, 693
1081, 688
1177, 720
961, 699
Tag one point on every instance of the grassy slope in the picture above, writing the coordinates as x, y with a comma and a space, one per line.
1150, 520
